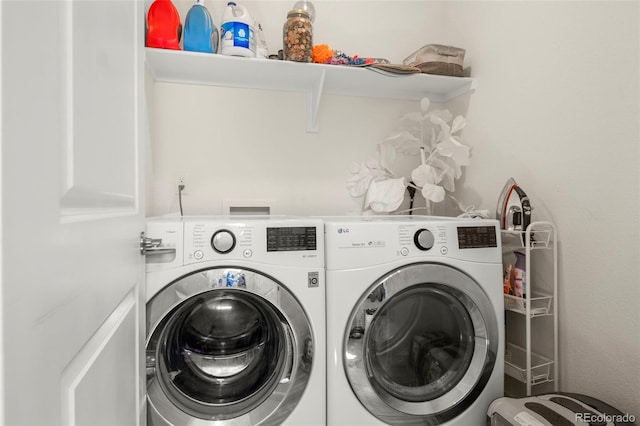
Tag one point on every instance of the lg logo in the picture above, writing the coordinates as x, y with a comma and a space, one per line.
343, 230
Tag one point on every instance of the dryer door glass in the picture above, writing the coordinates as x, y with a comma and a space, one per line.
219, 353
421, 344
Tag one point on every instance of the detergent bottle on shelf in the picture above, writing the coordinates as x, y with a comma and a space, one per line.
200, 34
238, 36
163, 25
261, 43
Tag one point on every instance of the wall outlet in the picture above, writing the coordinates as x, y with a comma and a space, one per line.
180, 178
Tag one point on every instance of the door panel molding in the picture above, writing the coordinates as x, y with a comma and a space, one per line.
93, 92
100, 360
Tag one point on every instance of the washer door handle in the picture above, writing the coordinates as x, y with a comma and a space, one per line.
288, 368
151, 365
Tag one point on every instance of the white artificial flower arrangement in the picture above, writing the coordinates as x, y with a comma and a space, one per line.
431, 135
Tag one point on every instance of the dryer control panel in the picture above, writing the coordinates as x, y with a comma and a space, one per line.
470, 237
362, 242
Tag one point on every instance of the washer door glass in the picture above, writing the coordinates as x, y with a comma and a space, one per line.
421, 344
218, 353
223, 347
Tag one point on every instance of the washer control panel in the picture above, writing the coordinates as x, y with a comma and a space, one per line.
223, 241
423, 239
269, 241
291, 238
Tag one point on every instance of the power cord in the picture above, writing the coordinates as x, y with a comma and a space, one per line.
412, 193
180, 188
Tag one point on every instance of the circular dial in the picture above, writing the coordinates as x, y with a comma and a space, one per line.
423, 238
223, 241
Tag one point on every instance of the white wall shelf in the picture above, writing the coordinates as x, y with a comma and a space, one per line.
312, 79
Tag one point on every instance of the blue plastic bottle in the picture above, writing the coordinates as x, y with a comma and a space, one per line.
200, 34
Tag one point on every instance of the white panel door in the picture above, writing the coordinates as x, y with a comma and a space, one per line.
71, 119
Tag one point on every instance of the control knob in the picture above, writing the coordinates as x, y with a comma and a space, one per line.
223, 241
423, 239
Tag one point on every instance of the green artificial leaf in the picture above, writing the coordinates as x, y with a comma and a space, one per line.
459, 152
445, 173
424, 174
442, 114
387, 154
412, 116
433, 192
458, 124
385, 195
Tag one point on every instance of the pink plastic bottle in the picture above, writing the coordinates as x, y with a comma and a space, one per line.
520, 282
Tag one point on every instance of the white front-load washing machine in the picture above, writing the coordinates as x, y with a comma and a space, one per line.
235, 321
414, 320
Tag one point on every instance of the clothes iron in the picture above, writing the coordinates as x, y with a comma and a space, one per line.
513, 210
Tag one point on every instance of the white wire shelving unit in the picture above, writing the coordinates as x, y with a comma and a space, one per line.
522, 362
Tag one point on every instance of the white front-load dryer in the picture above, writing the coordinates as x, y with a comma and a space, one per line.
414, 320
235, 321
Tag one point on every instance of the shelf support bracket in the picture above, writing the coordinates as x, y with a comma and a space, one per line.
313, 102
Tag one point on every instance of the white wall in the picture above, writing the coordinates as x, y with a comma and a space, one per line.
252, 144
556, 108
